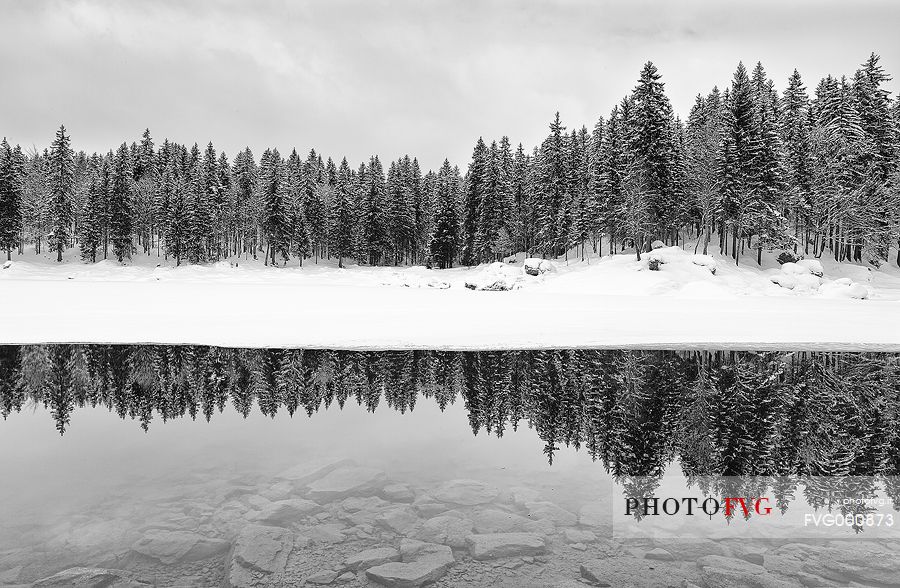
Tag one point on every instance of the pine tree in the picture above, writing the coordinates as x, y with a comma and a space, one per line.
12, 175
91, 227
798, 163
374, 237
340, 236
653, 145
276, 208
551, 185
763, 211
703, 135
735, 161
120, 205
472, 197
62, 189
444, 241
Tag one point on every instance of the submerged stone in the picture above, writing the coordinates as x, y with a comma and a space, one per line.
172, 547
494, 545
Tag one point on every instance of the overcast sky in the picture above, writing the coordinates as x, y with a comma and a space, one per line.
392, 77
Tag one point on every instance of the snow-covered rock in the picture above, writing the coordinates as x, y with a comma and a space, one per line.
706, 261
807, 282
535, 266
787, 281
844, 288
813, 266
794, 269
497, 276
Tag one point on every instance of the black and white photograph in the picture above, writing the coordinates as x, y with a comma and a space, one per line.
450, 293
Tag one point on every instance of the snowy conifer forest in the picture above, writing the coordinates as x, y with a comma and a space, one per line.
799, 168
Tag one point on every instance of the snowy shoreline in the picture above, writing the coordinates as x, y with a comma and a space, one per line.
402, 318
608, 302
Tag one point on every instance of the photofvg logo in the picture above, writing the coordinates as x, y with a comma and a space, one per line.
691, 506
732, 508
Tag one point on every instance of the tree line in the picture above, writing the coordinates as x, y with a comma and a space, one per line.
772, 415
751, 169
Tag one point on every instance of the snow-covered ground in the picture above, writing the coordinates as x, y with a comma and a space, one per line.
612, 301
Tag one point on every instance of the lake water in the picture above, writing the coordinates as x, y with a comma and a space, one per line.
203, 466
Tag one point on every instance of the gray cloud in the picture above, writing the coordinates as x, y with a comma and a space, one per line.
391, 77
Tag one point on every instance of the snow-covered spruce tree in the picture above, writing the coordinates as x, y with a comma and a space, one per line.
12, 175
874, 106
523, 226
764, 208
143, 157
120, 205
62, 190
219, 200
842, 179
797, 157
444, 241
340, 222
313, 205
275, 207
584, 209
490, 207
635, 217
473, 194
195, 211
374, 233
551, 186
735, 160
92, 213
242, 212
613, 167
652, 142
401, 210
703, 135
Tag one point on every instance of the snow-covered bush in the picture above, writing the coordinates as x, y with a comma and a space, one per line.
657, 244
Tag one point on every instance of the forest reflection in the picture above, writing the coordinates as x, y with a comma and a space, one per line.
715, 414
